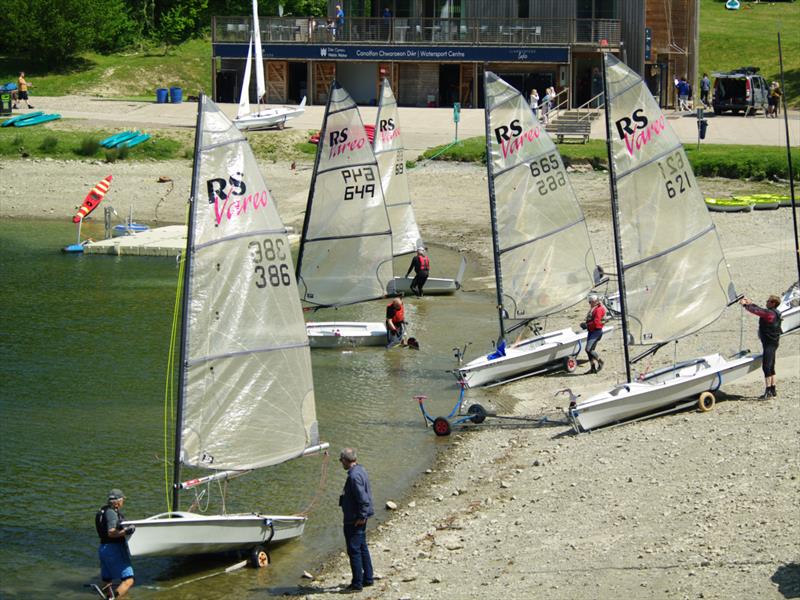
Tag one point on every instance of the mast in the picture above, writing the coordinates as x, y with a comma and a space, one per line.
187, 273
307, 217
789, 159
261, 87
615, 222
498, 275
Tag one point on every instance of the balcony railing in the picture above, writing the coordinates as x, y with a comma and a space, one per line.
515, 32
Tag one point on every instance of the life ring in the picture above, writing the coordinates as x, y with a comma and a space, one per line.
706, 401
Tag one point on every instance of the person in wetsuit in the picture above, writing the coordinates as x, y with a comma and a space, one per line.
769, 332
421, 265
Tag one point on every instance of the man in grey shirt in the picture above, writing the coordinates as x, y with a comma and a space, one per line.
356, 503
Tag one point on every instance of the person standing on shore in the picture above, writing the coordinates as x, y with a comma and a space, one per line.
115, 559
594, 326
535, 102
22, 90
422, 268
357, 508
769, 332
705, 89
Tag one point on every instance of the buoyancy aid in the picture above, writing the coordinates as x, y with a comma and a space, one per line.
397, 315
424, 263
101, 525
770, 333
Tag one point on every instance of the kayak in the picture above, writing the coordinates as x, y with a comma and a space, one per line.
112, 141
728, 205
136, 140
18, 118
760, 201
37, 120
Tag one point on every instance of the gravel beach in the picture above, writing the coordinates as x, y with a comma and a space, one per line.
688, 505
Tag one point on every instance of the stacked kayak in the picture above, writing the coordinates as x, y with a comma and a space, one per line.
33, 118
728, 205
761, 201
127, 139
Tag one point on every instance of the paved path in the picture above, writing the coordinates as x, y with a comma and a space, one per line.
422, 127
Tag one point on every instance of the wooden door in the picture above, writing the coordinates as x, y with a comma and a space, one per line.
277, 81
324, 74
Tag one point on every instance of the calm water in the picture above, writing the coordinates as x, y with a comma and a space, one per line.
84, 343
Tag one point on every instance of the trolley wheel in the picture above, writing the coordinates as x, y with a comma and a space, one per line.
441, 426
478, 413
281, 125
570, 364
706, 401
259, 557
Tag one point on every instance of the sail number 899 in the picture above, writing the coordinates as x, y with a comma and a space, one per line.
275, 272
364, 176
550, 178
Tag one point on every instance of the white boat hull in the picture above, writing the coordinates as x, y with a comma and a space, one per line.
661, 390
186, 533
338, 334
434, 286
529, 355
790, 310
273, 117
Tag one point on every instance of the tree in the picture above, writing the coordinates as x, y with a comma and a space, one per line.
182, 20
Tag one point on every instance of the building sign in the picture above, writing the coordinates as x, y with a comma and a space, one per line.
648, 43
399, 53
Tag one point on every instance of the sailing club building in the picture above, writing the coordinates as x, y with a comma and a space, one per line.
435, 52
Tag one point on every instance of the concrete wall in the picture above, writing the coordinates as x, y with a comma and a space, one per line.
360, 79
417, 80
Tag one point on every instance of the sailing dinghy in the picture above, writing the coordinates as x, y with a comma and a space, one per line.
673, 278
346, 246
264, 117
245, 391
543, 259
406, 239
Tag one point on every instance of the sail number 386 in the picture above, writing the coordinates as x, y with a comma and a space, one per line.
546, 171
359, 183
267, 257
676, 177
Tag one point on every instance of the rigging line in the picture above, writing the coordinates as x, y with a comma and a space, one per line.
316, 306
348, 237
541, 237
372, 163
253, 351
323, 479
684, 243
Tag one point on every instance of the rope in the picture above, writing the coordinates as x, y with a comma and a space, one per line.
169, 387
323, 478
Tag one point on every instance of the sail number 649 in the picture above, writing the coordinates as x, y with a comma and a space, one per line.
274, 273
364, 176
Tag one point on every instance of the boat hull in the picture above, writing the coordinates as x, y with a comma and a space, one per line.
434, 286
337, 334
530, 355
790, 310
186, 533
266, 119
661, 390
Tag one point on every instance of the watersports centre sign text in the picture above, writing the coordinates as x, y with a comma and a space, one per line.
398, 53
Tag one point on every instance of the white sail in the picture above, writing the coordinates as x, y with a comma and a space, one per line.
389, 152
244, 95
676, 278
248, 398
346, 247
261, 88
545, 256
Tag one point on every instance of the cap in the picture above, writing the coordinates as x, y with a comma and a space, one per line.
115, 494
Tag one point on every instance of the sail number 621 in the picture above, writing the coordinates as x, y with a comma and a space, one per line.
267, 257
676, 177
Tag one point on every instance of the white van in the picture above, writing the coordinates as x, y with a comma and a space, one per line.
740, 90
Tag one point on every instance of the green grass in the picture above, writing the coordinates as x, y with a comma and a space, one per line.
713, 160
748, 37
134, 75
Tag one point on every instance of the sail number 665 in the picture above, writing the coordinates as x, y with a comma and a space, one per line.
546, 168
275, 273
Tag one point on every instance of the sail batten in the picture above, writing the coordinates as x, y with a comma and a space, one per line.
346, 246
389, 152
545, 262
676, 280
247, 397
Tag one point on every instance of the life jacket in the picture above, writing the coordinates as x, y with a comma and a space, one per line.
424, 263
770, 333
397, 315
592, 317
101, 525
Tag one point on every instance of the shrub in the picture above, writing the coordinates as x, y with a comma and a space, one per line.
88, 147
48, 145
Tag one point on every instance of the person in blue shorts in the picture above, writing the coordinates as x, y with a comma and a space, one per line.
115, 559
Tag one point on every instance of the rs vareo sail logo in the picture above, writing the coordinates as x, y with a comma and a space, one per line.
512, 137
637, 130
231, 199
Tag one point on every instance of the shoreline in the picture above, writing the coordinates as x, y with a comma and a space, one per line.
685, 505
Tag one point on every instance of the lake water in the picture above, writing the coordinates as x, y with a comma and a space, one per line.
84, 343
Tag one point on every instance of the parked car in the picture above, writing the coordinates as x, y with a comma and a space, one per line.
742, 89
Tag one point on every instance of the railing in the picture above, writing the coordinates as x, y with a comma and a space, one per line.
422, 31
587, 110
